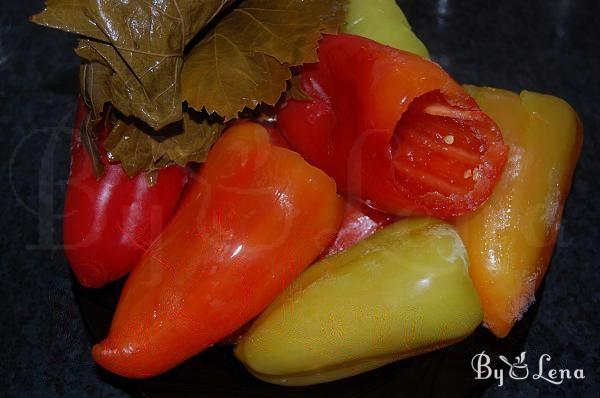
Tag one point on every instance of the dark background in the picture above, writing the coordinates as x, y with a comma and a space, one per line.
549, 46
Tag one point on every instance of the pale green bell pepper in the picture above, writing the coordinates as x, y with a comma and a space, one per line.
383, 21
402, 292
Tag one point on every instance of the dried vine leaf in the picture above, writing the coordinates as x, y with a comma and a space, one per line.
199, 134
95, 93
138, 149
245, 60
142, 42
295, 90
130, 94
333, 16
128, 144
134, 62
89, 139
93, 80
70, 16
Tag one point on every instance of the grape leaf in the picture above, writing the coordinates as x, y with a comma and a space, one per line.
295, 90
142, 42
131, 146
95, 93
87, 132
70, 16
199, 134
134, 61
138, 148
93, 80
245, 60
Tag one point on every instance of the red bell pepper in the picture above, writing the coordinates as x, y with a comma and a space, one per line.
109, 222
253, 219
394, 130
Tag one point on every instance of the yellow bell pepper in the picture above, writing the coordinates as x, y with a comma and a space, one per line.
402, 292
384, 22
511, 238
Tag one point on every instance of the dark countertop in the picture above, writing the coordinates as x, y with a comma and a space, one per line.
549, 46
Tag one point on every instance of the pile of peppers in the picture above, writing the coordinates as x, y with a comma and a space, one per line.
388, 214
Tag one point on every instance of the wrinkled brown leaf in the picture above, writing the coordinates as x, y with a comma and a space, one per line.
193, 144
130, 94
70, 16
128, 144
93, 80
95, 93
245, 60
134, 52
333, 16
142, 41
138, 149
89, 139
295, 90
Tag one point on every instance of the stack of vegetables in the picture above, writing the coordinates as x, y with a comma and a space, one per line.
303, 168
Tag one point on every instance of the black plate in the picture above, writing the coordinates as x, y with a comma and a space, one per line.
216, 372
443, 373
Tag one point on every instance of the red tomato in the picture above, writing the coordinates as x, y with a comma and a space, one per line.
110, 222
394, 130
256, 216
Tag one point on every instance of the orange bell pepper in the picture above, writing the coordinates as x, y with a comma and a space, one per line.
394, 130
256, 216
511, 238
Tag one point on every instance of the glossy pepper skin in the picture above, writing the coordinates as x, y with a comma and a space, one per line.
511, 238
109, 222
384, 22
359, 223
402, 292
394, 130
254, 218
